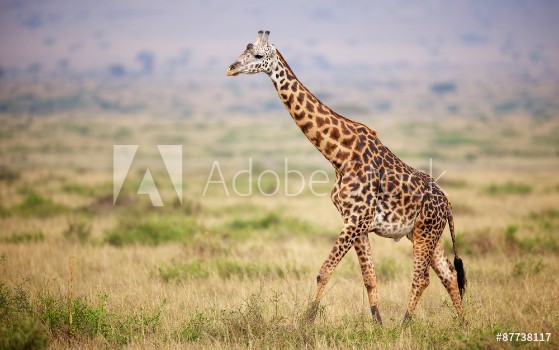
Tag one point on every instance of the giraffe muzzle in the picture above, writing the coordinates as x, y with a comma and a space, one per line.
232, 70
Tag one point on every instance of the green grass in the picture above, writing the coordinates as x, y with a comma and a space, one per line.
262, 320
547, 219
386, 269
236, 272
254, 223
229, 136
273, 224
480, 242
537, 236
513, 239
546, 214
508, 188
450, 139
531, 266
78, 128
192, 269
153, 230
259, 323
226, 268
20, 327
37, 205
4, 212
533, 243
30, 323
123, 133
80, 189
26, 237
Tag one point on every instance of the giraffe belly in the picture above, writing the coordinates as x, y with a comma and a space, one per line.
394, 230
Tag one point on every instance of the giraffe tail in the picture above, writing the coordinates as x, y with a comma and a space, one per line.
458, 264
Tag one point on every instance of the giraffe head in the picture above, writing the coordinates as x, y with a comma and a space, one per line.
257, 57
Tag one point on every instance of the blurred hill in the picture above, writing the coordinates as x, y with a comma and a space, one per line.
408, 57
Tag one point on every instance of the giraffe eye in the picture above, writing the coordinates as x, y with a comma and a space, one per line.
258, 57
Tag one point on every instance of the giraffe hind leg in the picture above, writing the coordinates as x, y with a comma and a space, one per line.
448, 276
423, 247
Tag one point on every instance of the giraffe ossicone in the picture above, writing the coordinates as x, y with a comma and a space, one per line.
374, 191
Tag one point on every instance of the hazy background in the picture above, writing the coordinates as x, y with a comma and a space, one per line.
384, 56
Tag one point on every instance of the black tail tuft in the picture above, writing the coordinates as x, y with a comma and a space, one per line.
461, 274
458, 264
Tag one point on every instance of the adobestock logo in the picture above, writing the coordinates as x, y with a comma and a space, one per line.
248, 182
123, 157
244, 182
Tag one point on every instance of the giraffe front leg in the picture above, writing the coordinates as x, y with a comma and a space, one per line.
363, 250
344, 242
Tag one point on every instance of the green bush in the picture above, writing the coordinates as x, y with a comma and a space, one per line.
510, 233
86, 319
4, 212
19, 326
535, 243
547, 219
80, 189
92, 319
255, 223
195, 328
276, 225
450, 139
529, 266
36, 205
193, 269
153, 230
508, 188
25, 237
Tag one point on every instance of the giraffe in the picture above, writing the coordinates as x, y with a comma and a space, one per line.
374, 190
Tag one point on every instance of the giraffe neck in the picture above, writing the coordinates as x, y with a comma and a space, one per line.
333, 135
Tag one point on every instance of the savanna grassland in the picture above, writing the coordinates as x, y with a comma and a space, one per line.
231, 271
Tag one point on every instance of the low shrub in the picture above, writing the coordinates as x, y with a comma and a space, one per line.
508, 188
37, 205
226, 268
26, 237
153, 230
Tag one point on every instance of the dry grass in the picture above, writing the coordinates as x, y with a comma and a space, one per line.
238, 272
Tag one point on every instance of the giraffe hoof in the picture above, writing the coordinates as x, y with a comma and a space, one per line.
407, 318
462, 319
376, 315
311, 312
